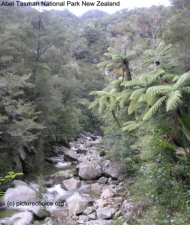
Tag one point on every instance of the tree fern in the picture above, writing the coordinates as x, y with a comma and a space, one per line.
94, 103
103, 100
137, 93
182, 79
151, 99
184, 121
159, 89
99, 93
154, 108
130, 125
173, 100
132, 106
142, 98
132, 83
103, 64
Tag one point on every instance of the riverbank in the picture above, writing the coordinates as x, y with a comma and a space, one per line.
78, 185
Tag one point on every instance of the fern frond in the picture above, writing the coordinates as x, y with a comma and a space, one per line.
132, 106
108, 54
184, 123
184, 78
169, 77
103, 64
94, 103
110, 65
132, 83
124, 93
154, 108
149, 78
130, 125
142, 98
117, 82
187, 89
151, 99
173, 100
159, 89
99, 93
137, 93
102, 102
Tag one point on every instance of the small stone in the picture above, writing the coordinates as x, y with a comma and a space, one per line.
71, 184
96, 187
107, 194
89, 210
102, 180
105, 213
92, 216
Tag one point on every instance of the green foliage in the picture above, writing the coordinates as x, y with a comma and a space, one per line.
8, 178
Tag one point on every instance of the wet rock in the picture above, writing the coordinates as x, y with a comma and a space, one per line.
71, 184
65, 173
82, 151
23, 218
107, 194
70, 155
49, 183
89, 171
105, 213
53, 159
78, 203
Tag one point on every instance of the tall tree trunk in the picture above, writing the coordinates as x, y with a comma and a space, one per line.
115, 118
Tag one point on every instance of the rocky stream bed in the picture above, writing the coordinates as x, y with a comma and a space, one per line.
78, 185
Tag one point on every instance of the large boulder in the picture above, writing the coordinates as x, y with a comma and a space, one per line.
16, 197
77, 203
71, 184
17, 183
70, 155
24, 198
88, 171
65, 174
23, 218
113, 169
105, 213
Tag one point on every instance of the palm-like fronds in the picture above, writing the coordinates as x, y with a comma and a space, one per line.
130, 125
173, 101
154, 108
159, 89
183, 79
